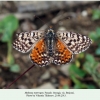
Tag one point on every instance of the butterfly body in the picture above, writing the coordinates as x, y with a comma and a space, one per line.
51, 47
50, 40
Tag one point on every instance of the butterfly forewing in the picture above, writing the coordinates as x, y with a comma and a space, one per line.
26, 40
76, 43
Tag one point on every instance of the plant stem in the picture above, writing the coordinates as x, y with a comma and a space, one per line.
10, 59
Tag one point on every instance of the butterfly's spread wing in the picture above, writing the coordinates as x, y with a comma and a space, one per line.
26, 40
62, 54
76, 43
39, 55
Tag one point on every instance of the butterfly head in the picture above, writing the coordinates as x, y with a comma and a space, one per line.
50, 33
50, 30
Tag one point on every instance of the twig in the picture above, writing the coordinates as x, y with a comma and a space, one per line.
20, 15
19, 77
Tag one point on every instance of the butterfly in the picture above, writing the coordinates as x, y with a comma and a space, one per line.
51, 47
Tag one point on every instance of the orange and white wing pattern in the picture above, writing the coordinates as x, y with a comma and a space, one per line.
75, 42
26, 40
39, 54
49, 47
62, 54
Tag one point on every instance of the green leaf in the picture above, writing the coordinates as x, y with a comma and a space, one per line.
78, 84
93, 36
90, 58
91, 86
65, 87
98, 31
75, 80
96, 14
87, 67
81, 55
1, 31
77, 63
74, 70
7, 26
97, 52
6, 37
10, 23
15, 68
90, 66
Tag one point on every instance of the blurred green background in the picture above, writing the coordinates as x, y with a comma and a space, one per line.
78, 16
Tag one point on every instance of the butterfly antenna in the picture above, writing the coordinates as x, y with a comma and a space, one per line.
19, 77
39, 18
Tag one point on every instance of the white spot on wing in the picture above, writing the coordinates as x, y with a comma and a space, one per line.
68, 34
31, 34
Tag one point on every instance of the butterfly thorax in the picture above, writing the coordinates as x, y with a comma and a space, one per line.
50, 41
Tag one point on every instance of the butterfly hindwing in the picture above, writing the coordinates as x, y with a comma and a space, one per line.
76, 43
62, 54
39, 55
26, 40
